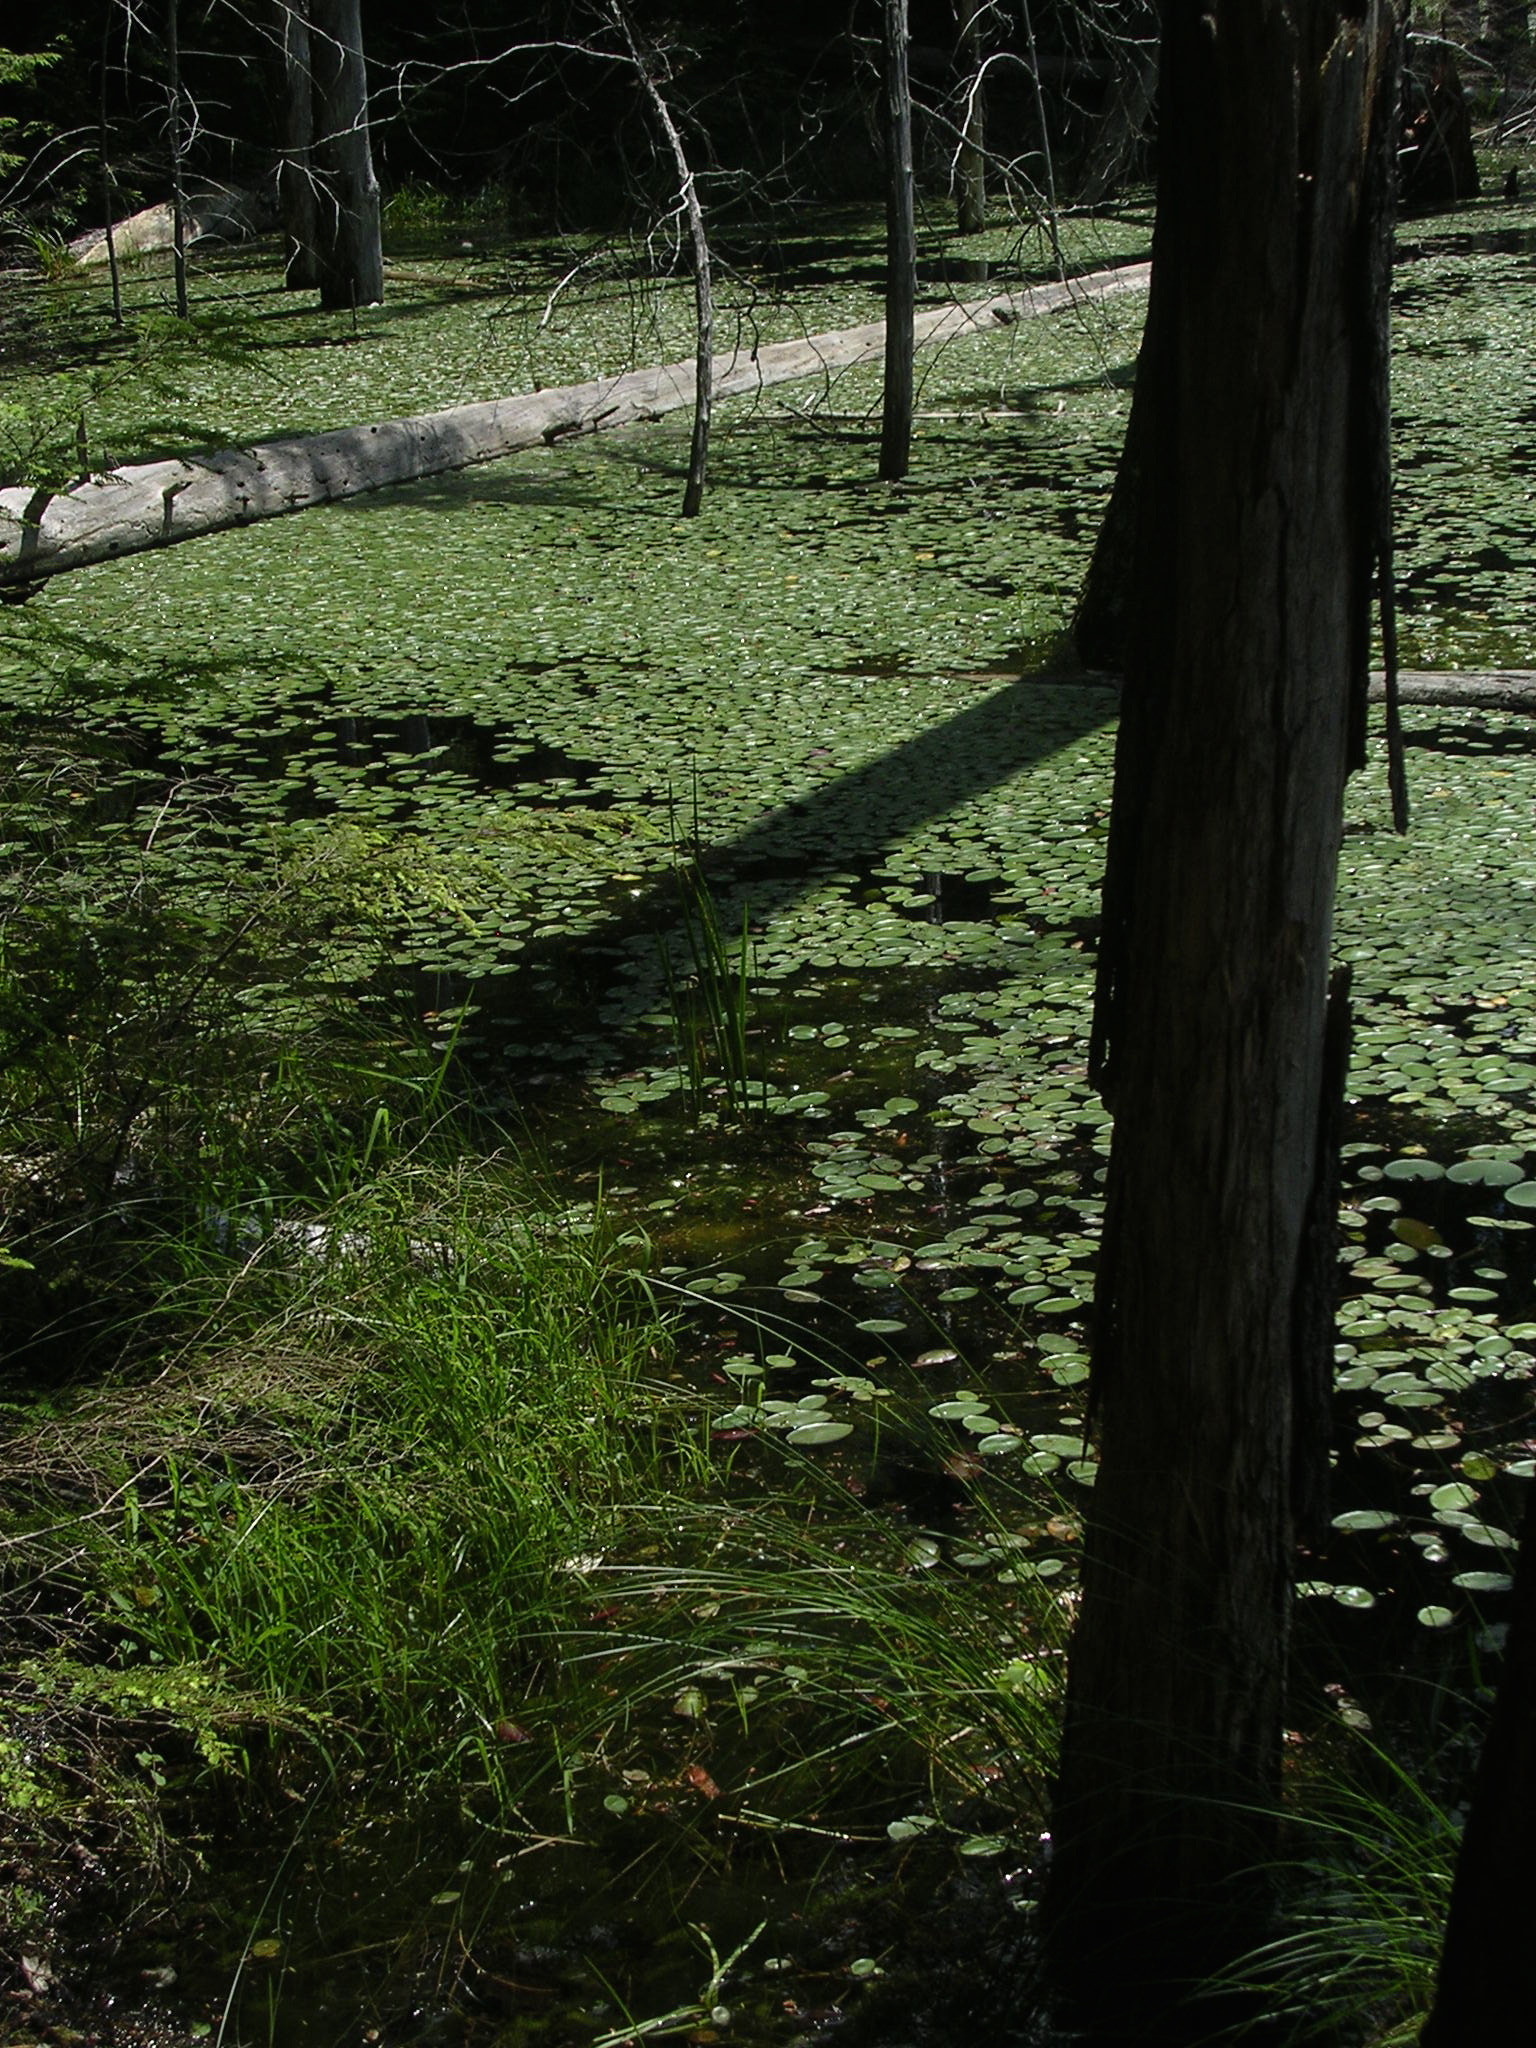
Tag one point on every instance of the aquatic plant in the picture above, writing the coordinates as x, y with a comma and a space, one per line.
393, 1423
1363, 1910
712, 1005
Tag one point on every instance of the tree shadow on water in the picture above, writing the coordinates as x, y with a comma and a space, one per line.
850, 823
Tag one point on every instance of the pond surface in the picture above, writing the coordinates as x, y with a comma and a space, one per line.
514, 706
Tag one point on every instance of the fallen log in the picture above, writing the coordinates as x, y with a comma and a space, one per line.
225, 214
1490, 689
1473, 689
46, 533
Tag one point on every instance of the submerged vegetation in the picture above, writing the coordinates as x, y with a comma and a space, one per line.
560, 1517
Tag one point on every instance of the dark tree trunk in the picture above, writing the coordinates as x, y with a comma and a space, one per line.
1484, 1967
900, 249
108, 206
176, 125
296, 172
971, 158
350, 246
1245, 678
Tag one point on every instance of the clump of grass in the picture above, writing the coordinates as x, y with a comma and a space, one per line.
393, 1430
818, 1647
1363, 1912
711, 1003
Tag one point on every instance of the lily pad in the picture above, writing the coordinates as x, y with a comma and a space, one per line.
1414, 1169
807, 1434
1361, 1520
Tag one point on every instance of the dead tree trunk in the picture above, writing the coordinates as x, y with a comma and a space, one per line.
1242, 716
703, 292
296, 172
900, 249
351, 249
1047, 160
176, 128
971, 157
108, 206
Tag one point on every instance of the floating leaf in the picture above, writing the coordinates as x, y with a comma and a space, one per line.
1453, 1495
1359, 1520
1413, 1169
809, 1433
1485, 1173
910, 1827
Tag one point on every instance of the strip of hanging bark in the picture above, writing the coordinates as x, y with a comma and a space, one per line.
157, 504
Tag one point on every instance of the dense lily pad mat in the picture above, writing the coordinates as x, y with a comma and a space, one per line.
498, 713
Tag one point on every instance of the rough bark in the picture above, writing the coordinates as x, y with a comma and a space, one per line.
296, 173
46, 533
351, 254
900, 248
1209, 1035
1483, 1984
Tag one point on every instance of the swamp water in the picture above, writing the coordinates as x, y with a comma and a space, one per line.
508, 708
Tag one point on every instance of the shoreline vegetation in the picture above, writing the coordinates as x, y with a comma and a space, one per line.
477, 1458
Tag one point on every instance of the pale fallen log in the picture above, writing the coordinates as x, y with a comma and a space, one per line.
1473, 689
1492, 689
226, 214
46, 533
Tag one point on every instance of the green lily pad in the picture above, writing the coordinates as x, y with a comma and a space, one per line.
910, 1826
1361, 1520
811, 1433
1453, 1495
1413, 1169
1485, 1173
